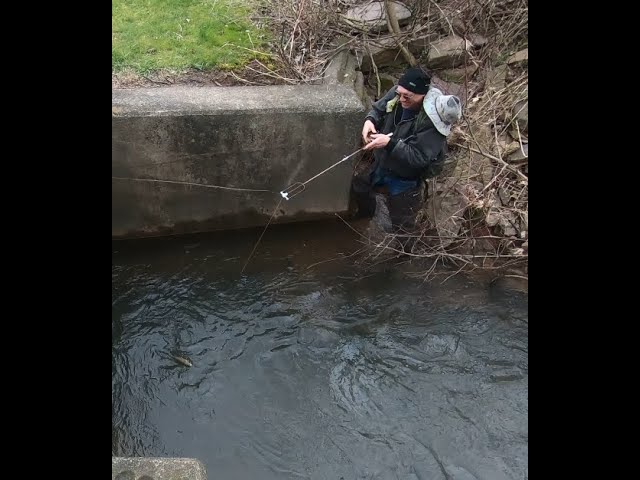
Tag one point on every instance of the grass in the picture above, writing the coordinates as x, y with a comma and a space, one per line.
150, 35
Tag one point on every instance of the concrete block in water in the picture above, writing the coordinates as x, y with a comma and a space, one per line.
142, 468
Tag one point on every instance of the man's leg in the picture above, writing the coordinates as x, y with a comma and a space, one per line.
404, 207
362, 196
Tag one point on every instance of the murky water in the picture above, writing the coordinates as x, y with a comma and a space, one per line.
319, 373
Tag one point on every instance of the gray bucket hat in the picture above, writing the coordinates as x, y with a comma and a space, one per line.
443, 110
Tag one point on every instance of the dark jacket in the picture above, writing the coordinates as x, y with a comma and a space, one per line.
416, 149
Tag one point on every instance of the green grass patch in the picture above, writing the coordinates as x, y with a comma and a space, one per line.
148, 35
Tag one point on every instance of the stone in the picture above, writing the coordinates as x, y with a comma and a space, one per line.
457, 75
519, 58
496, 78
450, 52
150, 468
373, 16
518, 157
521, 114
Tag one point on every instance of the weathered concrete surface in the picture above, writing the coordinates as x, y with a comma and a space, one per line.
247, 137
142, 468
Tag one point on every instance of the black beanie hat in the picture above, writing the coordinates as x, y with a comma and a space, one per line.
415, 80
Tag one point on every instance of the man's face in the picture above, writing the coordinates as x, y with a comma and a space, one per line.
409, 100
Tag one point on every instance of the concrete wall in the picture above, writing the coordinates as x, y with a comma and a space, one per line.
249, 137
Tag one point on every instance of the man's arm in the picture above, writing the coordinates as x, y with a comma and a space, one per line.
422, 150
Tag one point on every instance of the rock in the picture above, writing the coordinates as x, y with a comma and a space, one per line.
445, 210
387, 81
477, 40
476, 166
507, 145
493, 202
450, 161
520, 58
458, 75
504, 196
507, 222
519, 158
385, 53
492, 199
419, 46
157, 468
373, 16
458, 26
504, 219
521, 114
513, 132
476, 245
496, 78
492, 218
341, 69
450, 52
450, 88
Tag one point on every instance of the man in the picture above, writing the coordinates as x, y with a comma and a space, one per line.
418, 118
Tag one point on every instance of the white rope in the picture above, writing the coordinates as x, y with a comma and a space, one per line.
193, 184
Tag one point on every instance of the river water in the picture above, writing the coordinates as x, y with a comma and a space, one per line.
328, 371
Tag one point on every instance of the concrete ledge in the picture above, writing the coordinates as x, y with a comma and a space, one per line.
141, 468
247, 137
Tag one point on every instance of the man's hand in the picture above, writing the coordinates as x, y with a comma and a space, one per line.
368, 129
378, 140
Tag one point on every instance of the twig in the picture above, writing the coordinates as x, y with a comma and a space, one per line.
258, 52
517, 276
375, 69
520, 141
272, 74
499, 160
394, 28
444, 16
162, 82
242, 79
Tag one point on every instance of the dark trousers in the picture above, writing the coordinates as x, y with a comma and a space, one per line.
395, 212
